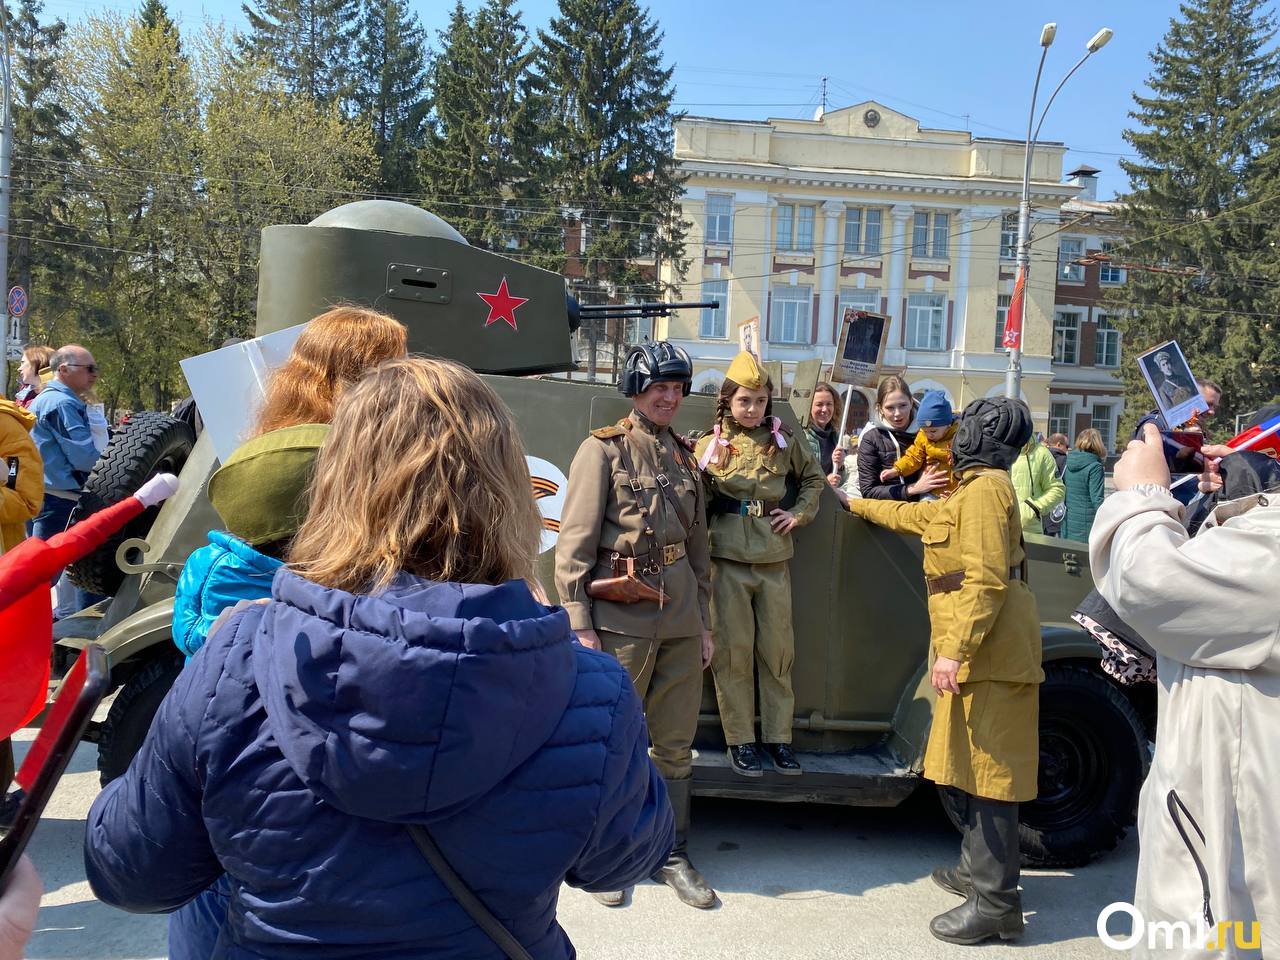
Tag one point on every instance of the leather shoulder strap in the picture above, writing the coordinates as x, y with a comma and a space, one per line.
456, 886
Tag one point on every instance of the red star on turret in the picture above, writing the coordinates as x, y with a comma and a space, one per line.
502, 305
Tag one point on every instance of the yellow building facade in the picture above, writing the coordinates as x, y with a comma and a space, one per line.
792, 221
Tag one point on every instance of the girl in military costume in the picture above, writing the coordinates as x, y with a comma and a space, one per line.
985, 651
746, 461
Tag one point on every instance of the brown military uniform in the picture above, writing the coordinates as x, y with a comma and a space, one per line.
660, 647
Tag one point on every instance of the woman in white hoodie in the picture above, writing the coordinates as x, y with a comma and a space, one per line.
1209, 819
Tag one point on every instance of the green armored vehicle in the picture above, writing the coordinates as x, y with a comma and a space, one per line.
863, 700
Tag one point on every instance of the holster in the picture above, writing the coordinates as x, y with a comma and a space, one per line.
626, 588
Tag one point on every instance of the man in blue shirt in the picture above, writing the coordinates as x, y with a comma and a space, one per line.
66, 445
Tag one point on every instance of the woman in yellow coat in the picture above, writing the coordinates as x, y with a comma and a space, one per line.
985, 648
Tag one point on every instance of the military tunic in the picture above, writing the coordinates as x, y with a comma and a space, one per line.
985, 740
661, 648
751, 579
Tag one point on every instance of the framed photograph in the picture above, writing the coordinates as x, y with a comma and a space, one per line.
749, 337
1172, 383
860, 349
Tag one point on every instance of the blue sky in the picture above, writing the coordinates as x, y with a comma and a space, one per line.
951, 65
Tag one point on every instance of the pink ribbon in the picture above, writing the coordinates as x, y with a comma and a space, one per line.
776, 430
716, 440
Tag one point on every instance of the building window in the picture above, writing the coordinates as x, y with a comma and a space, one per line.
1102, 420
1070, 250
926, 321
795, 227
719, 219
1108, 273
637, 330
1002, 312
1009, 237
1107, 344
1060, 419
861, 230
931, 235
867, 300
1066, 338
791, 314
715, 323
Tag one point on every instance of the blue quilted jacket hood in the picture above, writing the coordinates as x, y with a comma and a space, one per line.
407, 705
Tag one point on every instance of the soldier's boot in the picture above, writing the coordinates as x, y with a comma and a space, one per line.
612, 898
956, 879
994, 907
678, 872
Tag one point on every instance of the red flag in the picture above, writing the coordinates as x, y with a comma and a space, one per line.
1013, 319
26, 616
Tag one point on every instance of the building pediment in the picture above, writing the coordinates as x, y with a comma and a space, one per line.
868, 119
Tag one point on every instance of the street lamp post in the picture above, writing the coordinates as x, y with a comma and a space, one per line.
1013, 376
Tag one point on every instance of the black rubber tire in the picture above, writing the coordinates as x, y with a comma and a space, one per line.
121, 734
1093, 759
149, 443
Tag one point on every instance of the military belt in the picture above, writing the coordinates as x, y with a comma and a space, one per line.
743, 508
671, 554
951, 582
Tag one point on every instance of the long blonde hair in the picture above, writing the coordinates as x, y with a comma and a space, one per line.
334, 350
423, 471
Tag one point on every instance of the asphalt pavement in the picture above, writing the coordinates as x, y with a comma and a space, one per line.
796, 881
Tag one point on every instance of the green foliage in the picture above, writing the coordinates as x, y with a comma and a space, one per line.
1203, 195
309, 42
390, 90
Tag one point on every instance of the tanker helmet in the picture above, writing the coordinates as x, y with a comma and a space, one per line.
655, 362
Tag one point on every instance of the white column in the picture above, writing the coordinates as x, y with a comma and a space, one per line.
960, 287
767, 263
828, 271
901, 213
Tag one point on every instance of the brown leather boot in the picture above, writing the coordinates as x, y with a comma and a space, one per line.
678, 872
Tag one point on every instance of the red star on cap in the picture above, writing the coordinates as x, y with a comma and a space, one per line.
502, 305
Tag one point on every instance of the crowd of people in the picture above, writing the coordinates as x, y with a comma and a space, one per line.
379, 698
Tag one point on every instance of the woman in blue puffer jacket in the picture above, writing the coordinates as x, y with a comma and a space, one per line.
401, 673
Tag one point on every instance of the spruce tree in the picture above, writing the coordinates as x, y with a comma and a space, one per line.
390, 90
43, 155
1200, 134
310, 42
480, 166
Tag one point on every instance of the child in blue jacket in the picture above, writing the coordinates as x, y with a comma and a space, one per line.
260, 494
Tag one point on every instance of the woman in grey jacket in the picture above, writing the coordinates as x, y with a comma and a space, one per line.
1208, 820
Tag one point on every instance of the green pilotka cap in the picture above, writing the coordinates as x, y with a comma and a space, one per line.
261, 491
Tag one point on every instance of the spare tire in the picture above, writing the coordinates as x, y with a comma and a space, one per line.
147, 444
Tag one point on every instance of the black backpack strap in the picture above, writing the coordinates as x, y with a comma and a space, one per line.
478, 912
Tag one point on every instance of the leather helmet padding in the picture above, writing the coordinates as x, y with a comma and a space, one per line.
655, 362
991, 432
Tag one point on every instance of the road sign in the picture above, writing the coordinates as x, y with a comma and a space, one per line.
17, 301
13, 352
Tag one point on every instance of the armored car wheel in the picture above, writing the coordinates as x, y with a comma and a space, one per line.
1093, 759
131, 713
148, 444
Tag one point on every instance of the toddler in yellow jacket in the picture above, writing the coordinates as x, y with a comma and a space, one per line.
936, 423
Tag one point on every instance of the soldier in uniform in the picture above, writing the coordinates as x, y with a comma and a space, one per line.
634, 509
985, 645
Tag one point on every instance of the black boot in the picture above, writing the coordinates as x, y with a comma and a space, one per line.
745, 760
612, 898
994, 907
678, 872
784, 760
956, 879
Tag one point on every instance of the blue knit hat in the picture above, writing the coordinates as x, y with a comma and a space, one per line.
934, 411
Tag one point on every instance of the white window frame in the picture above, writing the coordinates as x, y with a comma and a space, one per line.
867, 300
1070, 249
806, 216
1108, 275
1061, 424
861, 225
927, 315
714, 324
1103, 338
1102, 417
798, 220
719, 225
931, 235
1009, 237
1003, 300
1066, 322
791, 307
